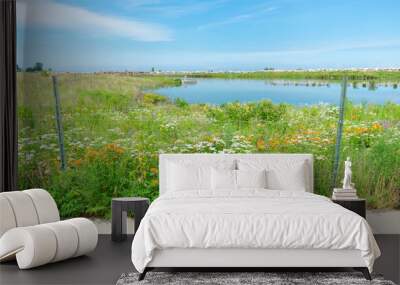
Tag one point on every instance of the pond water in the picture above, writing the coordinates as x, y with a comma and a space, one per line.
219, 91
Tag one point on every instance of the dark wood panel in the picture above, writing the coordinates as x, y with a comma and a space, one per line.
357, 206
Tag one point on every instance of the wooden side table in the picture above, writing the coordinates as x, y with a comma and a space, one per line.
358, 206
119, 212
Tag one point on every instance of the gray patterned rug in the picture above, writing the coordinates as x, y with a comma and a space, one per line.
236, 278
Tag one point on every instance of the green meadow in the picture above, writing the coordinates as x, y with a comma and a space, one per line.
370, 76
114, 130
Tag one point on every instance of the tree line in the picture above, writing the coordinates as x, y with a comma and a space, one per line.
37, 67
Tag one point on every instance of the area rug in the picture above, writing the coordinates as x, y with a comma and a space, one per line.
244, 278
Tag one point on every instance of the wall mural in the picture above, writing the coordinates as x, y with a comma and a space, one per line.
132, 79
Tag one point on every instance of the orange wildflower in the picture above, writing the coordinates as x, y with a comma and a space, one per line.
376, 127
77, 162
91, 153
115, 148
260, 144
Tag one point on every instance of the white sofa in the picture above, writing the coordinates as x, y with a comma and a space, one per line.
31, 231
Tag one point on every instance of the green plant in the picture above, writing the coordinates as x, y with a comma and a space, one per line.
113, 140
181, 103
152, 98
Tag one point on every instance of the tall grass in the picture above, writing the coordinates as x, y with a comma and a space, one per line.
372, 76
114, 131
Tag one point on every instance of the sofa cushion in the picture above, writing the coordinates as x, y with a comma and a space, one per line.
23, 208
31, 232
46, 207
7, 220
41, 244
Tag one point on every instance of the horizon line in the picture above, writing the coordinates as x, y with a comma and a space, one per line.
160, 71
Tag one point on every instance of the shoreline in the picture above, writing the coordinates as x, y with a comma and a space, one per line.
379, 75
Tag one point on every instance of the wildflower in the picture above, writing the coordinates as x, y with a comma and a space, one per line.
115, 148
77, 162
154, 182
260, 144
376, 126
91, 153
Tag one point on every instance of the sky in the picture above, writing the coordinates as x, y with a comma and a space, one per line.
137, 35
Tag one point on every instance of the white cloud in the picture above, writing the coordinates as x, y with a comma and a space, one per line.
50, 14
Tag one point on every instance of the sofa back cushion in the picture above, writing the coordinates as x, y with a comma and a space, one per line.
7, 219
26, 208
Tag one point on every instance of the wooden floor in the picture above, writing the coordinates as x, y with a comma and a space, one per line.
110, 260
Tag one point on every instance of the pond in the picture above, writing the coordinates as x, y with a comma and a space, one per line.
219, 91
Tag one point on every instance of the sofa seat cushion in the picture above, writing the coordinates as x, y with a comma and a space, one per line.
40, 244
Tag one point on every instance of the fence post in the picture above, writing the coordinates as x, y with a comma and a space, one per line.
339, 132
59, 123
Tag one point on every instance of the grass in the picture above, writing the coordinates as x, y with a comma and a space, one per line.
114, 131
378, 76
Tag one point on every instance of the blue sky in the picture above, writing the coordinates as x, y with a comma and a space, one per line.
94, 35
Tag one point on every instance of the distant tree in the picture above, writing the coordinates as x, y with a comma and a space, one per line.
153, 69
18, 68
38, 66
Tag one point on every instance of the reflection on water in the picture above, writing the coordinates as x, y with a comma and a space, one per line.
219, 91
